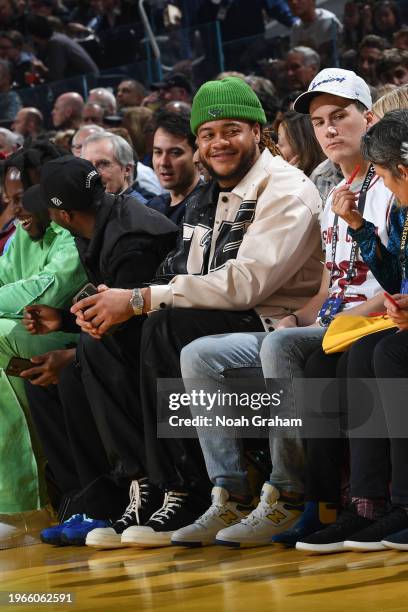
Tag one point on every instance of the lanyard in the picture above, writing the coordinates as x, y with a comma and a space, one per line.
403, 243
354, 246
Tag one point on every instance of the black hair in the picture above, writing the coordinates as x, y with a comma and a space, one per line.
177, 124
32, 157
373, 41
386, 142
39, 26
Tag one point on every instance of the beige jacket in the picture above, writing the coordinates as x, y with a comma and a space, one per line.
278, 263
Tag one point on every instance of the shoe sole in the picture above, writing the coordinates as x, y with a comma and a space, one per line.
320, 548
52, 542
72, 541
191, 544
394, 545
363, 546
105, 543
149, 542
237, 544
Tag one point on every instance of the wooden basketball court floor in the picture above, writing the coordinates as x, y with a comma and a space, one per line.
208, 579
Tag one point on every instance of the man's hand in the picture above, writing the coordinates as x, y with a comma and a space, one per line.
398, 315
97, 313
47, 367
41, 319
286, 322
344, 205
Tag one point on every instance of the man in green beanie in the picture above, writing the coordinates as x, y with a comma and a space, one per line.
248, 254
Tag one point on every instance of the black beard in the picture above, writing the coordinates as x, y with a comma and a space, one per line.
246, 164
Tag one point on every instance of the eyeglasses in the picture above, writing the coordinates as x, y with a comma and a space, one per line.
76, 147
104, 164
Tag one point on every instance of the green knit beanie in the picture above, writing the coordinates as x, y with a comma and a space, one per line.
230, 98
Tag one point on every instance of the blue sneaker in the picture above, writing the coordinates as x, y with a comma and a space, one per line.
52, 535
76, 533
316, 516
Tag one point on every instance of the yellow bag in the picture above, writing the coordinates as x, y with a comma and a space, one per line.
345, 330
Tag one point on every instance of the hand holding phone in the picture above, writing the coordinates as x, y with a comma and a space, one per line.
17, 365
86, 291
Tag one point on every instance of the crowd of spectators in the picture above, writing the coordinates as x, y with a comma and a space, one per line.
136, 191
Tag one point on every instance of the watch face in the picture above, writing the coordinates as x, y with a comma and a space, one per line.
137, 301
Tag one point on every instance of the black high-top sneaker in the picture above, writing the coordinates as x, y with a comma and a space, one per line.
177, 511
144, 500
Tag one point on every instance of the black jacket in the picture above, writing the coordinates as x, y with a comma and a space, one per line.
129, 243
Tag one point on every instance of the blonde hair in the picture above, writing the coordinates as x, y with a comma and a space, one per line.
393, 100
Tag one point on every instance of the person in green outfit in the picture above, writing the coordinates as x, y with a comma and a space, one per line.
41, 263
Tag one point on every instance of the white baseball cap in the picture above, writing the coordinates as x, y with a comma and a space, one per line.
338, 82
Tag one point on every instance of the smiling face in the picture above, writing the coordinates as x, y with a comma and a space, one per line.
173, 160
34, 224
338, 125
228, 148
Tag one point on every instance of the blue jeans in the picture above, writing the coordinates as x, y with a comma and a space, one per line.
219, 359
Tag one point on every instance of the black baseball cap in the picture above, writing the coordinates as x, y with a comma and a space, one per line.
67, 183
177, 79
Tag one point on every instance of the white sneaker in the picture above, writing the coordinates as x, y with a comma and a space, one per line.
269, 518
222, 512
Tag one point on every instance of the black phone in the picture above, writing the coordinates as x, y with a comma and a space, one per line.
86, 291
17, 365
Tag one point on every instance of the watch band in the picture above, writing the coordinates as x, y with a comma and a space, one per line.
137, 302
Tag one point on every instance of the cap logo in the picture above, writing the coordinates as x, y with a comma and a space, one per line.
330, 80
56, 201
215, 112
89, 178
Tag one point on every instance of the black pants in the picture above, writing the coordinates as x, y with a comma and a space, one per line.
105, 428
172, 463
74, 449
375, 462
325, 457
89, 425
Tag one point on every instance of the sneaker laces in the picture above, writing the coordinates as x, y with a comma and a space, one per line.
138, 494
73, 518
257, 514
172, 502
213, 510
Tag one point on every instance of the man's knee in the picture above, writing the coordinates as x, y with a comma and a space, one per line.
196, 358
